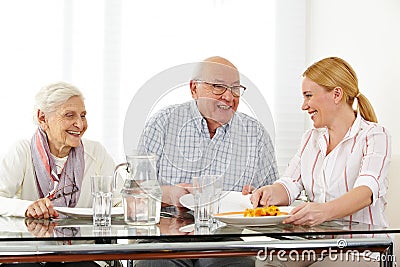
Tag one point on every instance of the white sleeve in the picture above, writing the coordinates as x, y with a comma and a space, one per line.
13, 171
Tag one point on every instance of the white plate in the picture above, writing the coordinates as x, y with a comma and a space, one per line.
230, 201
240, 220
86, 212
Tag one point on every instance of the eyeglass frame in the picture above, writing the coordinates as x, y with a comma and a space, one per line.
58, 195
226, 88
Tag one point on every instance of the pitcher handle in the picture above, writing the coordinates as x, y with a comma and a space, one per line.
115, 174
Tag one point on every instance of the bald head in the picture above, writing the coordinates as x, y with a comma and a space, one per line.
220, 60
211, 68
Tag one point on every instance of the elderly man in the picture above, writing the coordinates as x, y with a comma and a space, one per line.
209, 136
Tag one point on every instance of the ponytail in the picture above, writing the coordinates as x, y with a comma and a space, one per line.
365, 108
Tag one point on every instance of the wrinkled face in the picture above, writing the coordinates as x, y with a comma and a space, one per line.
65, 126
218, 108
318, 102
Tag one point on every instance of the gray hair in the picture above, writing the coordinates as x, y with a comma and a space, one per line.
52, 96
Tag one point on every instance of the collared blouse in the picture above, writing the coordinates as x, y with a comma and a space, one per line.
361, 158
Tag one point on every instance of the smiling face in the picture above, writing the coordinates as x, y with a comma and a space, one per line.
319, 103
216, 108
64, 126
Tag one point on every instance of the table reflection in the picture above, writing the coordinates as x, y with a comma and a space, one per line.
76, 238
174, 223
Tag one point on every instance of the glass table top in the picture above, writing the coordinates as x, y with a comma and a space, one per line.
175, 225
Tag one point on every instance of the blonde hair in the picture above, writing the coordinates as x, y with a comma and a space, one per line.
334, 72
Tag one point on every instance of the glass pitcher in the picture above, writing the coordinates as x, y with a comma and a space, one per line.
141, 193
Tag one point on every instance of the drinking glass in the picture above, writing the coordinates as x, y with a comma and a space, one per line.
102, 192
206, 191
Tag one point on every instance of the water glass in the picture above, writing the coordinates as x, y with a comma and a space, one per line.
102, 192
143, 230
218, 187
101, 230
206, 191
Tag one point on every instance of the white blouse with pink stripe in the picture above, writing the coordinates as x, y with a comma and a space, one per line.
361, 158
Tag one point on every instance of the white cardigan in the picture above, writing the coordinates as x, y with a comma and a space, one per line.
18, 187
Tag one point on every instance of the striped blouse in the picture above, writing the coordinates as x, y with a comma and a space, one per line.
361, 158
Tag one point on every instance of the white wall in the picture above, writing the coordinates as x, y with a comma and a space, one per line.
366, 33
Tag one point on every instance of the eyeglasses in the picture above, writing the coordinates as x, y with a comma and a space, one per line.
219, 89
60, 192
67, 232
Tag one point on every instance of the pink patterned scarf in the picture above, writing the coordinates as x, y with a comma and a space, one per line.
64, 189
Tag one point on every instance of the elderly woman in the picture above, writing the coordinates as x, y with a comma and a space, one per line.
53, 168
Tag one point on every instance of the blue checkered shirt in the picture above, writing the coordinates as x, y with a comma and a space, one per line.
241, 150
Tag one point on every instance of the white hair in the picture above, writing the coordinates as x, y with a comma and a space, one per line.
52, 96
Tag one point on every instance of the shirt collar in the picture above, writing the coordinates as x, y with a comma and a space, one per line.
355, 128
353, 131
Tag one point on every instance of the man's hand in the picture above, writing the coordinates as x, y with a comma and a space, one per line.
248, 189
172, 193
171, 226
41, 209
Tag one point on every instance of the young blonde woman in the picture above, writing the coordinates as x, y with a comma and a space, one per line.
342, 163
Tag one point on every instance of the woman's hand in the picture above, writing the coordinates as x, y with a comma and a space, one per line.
310, 213
40, 228
317, 213
41, 209
269, 195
